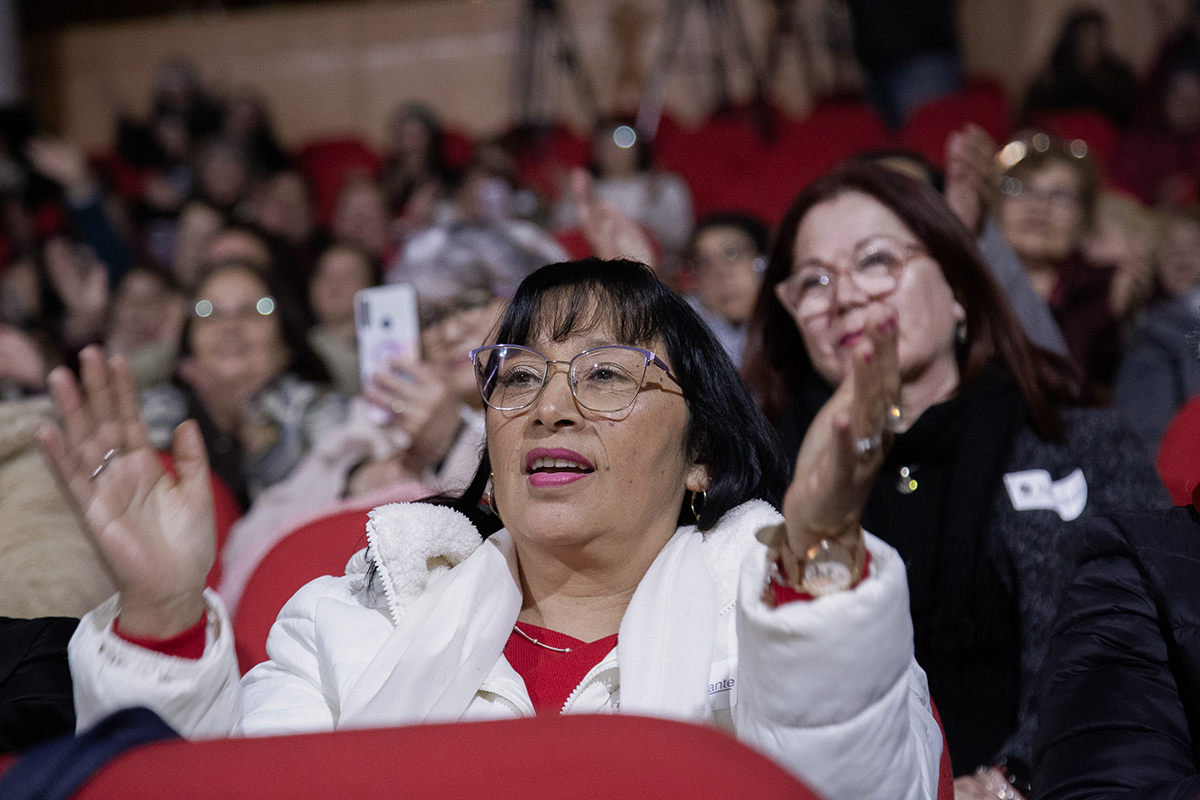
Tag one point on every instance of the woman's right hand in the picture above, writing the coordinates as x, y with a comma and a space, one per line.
154, 533
423, 405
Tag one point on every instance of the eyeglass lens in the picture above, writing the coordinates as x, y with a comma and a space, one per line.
603, 379
874, 267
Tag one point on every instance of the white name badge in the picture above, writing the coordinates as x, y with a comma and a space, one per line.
722, 684
1033, 489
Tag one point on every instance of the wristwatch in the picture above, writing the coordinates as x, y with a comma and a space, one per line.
828, 569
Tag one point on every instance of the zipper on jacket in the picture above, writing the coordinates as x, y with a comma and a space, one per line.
606, 672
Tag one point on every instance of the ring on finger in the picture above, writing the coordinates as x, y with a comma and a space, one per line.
866, 444
398, 407
895, 418
109, 456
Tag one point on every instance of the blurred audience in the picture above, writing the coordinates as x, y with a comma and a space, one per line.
247, 375
1161, 367
1047, 206
1085, 72
1159, 160
624, 173
431, 440
728, 253
344, 269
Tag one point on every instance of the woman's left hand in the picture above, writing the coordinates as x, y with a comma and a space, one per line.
845, 447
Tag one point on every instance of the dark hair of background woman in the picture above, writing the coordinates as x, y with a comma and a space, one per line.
752, 226
726, 431
777, 365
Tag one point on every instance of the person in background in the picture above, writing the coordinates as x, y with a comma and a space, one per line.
969, 186
1047, 205
343, 269
145, 323
990, 473
414, 175
248, 376
361, 215
1085, 72
1158, 161
728, 256
1161, 368
624, 175
245, 119
1119, 698
433, 429
283, 210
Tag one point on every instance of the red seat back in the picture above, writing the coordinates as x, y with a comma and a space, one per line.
1179, 454
543, 757
320, 547
982, 102
1092, 127
327, 162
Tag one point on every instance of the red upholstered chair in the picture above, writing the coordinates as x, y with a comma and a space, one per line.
320, 547
543, 757
1092, 127
982, 102
545, 157
458, 148
1179, 454
713, 157
802, 151
327, 162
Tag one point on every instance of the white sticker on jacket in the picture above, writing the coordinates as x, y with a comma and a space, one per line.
722, 684
1033, 489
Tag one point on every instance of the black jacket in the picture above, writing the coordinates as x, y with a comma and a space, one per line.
36, 701
1120, 695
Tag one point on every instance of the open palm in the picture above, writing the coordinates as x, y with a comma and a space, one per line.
154, 532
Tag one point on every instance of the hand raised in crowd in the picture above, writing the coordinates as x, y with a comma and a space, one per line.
154, 533
610, 233
20, 359
970, 175
64, 163
81, 280
845, 447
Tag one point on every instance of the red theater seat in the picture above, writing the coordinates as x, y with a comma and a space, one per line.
1092, 127
1179, 454
320, 547
982, 102
327, 162
544, 757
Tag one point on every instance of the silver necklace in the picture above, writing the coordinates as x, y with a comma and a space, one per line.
541, 644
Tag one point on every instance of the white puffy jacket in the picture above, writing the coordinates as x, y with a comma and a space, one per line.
828, 688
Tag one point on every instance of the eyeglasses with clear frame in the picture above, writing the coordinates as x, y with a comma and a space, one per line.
603, 379
874, 267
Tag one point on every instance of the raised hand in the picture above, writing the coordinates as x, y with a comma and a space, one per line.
154, 533
610, 233
845, 446
970, 175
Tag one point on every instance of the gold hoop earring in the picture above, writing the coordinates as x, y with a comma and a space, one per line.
703, 494
490, 495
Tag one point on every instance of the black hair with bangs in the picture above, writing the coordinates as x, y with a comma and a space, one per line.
726, 431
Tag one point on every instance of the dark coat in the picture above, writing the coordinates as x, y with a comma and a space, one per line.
1120, 696
36, 700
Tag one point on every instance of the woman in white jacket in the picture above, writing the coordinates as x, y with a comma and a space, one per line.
640, 556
